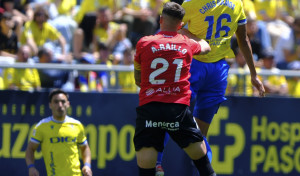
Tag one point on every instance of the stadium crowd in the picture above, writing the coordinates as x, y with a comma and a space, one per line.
106, 32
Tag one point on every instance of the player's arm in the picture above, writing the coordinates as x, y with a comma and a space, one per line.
29, 157
205, 48
137, 77
245, 47
86, 157
137, 73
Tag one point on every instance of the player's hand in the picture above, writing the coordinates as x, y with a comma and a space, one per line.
258, 85
33, 172
86, 170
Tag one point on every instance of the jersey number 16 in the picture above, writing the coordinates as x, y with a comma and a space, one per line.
219, 27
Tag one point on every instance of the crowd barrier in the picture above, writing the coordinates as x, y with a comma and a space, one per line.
248, 136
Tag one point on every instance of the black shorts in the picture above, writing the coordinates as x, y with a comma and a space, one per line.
155, 119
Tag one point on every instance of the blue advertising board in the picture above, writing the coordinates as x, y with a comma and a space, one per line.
248, 136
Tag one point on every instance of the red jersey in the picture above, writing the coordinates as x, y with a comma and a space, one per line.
164, 60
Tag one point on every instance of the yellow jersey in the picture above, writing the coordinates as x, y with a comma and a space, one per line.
31, 30
265, 7
102, 33
65, 7
290, 7
239, 84
25, 79
249, 8
216, 21
294, 87
139, 4
153, 4
1, 83
127, 82
88, 6
59, 144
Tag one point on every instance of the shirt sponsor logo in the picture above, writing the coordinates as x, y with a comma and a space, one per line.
165, 90
149, 91
54, 140
168, 90
165, 125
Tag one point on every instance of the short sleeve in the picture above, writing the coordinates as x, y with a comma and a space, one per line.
37, 134
242, 19
82, 140
137, 58
195, 46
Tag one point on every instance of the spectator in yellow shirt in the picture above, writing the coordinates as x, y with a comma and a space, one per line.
126, 78
239, 84
91, 6
1, 81
141, 17
22, 79
294, 82
274, 84
38, 31
266, 10
107, 32
110, 33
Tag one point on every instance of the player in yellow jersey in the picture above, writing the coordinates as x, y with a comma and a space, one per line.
60, 137
216, 21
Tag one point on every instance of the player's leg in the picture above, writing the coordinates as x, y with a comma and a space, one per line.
197, 152
208, 149
198, 75
206, 115
146, 159
159, 168
190, 139
209, 94
148, 141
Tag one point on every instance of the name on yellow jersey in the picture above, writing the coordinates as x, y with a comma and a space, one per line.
215, 3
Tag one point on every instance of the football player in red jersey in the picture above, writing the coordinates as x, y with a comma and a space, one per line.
162, 64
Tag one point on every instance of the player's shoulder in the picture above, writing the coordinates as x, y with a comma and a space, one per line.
186, 39
146, 40
187, 1
183, 37
186, 4
72, 120
44, 121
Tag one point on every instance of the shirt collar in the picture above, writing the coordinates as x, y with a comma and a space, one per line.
57, 121
168, 33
